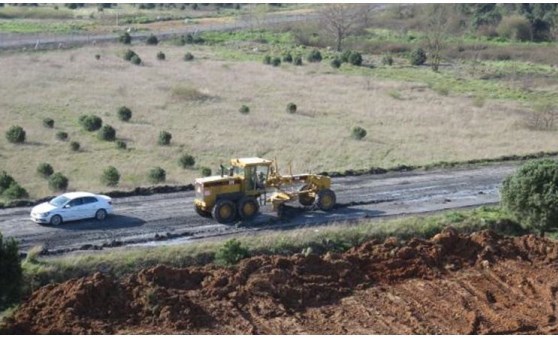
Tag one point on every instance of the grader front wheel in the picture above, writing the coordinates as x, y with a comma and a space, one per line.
305, 198
326, 200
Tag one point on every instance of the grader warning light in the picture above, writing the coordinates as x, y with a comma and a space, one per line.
239, 191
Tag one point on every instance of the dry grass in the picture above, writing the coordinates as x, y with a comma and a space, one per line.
425, 127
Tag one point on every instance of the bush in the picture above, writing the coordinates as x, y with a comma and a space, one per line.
531, 195
231, 253
515, 27
244, 109
125, 38
75, 146
291, 108
48, 123
97, 56
62, 135
58, 182
15, 191
267, 60
314, 56
164, 138
288, 58
276, 61
124, 113
110, 177
5, 181
387, 60
136, 60
152, 40
90, 122
417, 57
205, 171
358, 133
129, 54
107, 133
157, 175
186, 161
15, 134
11, 278
355, 58
121, 144
335, 63
297, 61
161, 56
188, 57
45, 170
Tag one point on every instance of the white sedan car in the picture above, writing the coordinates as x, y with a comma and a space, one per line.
72, 206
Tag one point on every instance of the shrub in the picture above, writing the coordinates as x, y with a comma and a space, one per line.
152, 40
515, 27
136, 60
15, 191
75, 146
335, 63
164, 138
107, 133
121, 144
188, 57
186, 161
417, 57
231, 253
45, 170
11, 277
276, 61
205, 171
531, 195
62, 135
58, 182
15, 134
97, 56
157, 175
297, 61
291, 108
358, 133
314, 56
124, 113
129, 54
355, 58
244, 109
387, 60
345, 56
48, 123
125, 38
5, 181
90, 122
161, 56
288, 58
267, 60
110, 177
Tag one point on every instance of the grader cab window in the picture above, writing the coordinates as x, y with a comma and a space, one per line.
255, 177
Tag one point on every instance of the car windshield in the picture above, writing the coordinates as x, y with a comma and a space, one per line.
59, 201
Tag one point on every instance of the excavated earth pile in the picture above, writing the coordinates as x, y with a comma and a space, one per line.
451, 284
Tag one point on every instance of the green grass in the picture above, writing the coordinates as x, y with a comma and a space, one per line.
41, 27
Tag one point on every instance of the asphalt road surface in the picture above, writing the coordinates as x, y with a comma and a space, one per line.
170, 218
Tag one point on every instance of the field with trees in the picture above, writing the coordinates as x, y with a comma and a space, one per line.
358, 87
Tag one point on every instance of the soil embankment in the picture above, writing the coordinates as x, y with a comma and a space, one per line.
451, 284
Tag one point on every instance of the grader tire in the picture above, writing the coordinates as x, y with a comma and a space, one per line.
224, 211
248, 207
326, 200
202, 212
305, 198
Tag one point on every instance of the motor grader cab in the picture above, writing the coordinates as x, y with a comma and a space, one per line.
240, 190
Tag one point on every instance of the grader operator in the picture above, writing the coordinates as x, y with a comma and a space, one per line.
251, 182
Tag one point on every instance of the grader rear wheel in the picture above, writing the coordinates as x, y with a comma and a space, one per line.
224, 211
305, 198
248, 207
326, 199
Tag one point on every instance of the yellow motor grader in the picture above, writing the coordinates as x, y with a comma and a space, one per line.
249, 183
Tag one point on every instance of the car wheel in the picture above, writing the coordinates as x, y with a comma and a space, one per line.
55, 220
101, 214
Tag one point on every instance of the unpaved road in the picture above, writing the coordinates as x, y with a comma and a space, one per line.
167, 218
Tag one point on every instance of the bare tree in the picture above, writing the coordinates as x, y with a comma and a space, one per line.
437, 22
340, 20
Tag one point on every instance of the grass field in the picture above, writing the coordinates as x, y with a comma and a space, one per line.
412, 115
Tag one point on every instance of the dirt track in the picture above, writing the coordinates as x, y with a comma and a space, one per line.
152, 219
451, 284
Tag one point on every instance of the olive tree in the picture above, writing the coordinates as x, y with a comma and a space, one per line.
531, 195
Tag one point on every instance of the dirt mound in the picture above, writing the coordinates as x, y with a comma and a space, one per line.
481, 283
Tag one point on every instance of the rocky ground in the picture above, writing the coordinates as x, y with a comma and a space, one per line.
451, 284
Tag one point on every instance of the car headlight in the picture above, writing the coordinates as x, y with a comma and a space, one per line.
44, 214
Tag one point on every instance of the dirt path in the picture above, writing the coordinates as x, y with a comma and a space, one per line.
152, 219
452, 284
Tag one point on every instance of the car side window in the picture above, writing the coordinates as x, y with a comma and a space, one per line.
89, 200
76, 202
